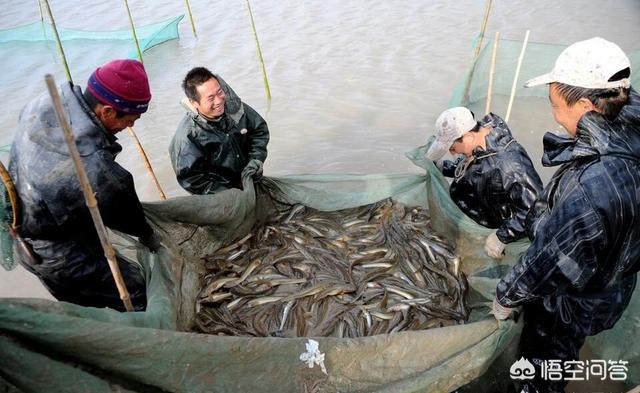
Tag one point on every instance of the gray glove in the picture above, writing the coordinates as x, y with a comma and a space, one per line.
152, 242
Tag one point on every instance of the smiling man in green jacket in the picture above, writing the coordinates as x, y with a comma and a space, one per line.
218, 136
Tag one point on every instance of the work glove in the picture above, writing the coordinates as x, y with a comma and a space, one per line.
493, 246
500, 312
256, 166
152, 241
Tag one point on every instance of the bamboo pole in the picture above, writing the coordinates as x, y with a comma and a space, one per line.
133, 31
89, 196
264, 71
41, 14
476, 53
193, 25
492, 72
515, 78
485, 19
146, 162
131, 132
58, 42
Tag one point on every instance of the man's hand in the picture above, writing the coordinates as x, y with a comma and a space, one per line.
493, 246
152, 242
501, 313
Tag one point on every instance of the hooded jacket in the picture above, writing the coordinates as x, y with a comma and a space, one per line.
209, 155
499, 185
585, 228
54, 216
53, 205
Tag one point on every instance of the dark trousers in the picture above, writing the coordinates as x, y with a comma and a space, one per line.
557, 328
546, 337
79, 273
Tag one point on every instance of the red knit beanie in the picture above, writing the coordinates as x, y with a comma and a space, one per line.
123, 84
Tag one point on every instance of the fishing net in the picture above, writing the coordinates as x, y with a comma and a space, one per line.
6, 219
538, 59
46, 344
148, 35
6, 242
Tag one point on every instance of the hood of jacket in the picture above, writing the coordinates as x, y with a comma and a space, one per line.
42, 127
233, 106
596, 135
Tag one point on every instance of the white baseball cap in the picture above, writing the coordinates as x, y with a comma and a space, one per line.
588, 64
451, 125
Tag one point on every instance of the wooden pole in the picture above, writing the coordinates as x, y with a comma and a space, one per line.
133, 31
264, 71
483, 29
131, 132
146, 162
492, 72
41, 14
193, 25
89, 196
476, 53
515, 78
58, 42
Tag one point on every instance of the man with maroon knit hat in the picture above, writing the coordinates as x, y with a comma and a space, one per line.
54, 218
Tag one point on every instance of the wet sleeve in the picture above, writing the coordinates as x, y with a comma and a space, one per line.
522, 187
258, 135
118, 201
449, 167
564, 253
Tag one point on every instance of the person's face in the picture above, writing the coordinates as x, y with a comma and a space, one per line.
211, 103
464, 145
567, 115
109, 118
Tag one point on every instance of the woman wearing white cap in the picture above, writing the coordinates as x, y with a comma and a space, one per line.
495, 183
578, 276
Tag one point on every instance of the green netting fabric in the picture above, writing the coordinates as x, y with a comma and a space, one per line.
42, 340
538, 59
6, 242
54, 346
148, 35
6, 218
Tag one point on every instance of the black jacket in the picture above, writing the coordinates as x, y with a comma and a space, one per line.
585, 228
53, 205
499, 185
54, 216
209, 156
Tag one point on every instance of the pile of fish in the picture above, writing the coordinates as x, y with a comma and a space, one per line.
375, 269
